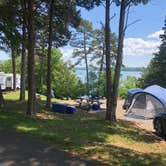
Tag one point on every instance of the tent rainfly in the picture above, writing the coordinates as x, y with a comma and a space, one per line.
145, 104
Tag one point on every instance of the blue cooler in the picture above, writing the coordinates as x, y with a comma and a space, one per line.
95, 107
70, 110
58, 107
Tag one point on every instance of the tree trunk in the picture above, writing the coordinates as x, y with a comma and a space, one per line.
101, 69
108, 62
41, 71
119, 57
101, 66
42, 55
86, 64
48, 104
23, 58
14, 69
102, 60
1, 98
87, 74
31, 60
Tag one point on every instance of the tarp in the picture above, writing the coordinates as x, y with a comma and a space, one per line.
63, 108
158, 92
133, 91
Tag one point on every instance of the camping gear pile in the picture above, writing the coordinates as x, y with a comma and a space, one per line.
88, 103
63, 108
145, 103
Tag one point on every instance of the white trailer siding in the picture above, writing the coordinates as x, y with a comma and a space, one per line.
18, 81
2, 82
6, 81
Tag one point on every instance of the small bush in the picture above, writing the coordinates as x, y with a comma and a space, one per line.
125, 85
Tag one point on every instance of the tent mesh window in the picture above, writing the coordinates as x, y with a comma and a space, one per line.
153, 106
145, 106
138, 105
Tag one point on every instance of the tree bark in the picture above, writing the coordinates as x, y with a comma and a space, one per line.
41, 70
48, 104
23, 57
102, 60
14, 69
101, 69
86, 64
1, 98
108, 63
119, 57
31, 60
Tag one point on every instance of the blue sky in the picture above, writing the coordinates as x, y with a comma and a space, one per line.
141, 39
152, 18
3, 56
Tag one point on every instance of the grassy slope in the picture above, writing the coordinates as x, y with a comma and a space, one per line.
86, 135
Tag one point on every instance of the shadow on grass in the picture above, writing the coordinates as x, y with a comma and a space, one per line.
17, 149
81, 132
84, 124
123, 156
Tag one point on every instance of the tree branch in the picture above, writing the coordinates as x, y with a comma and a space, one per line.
113, 16
138, 20
105, 5
102, 24
111, 2
127, 17
128, 3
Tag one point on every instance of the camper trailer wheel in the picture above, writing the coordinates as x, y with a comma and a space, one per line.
158, 127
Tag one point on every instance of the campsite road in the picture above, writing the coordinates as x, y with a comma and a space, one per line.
18, 149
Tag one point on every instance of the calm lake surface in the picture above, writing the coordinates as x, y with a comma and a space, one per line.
124, 74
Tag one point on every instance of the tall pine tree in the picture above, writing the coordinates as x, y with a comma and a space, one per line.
81, 41
156, 71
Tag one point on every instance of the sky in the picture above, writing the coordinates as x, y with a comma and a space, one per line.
141, 39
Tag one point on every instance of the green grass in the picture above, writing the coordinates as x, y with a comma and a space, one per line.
88, 136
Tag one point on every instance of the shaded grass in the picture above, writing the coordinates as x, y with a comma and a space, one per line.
14, 96
87, 135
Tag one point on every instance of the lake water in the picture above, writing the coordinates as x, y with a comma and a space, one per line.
124, 74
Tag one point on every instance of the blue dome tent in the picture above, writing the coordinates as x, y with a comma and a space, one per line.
130, 94
145, 104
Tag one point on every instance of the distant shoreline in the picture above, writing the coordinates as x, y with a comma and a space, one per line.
132, 69
133, 72
128, 69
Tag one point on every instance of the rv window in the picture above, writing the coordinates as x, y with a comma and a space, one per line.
8, 78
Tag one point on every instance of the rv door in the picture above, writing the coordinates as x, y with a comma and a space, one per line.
8, 82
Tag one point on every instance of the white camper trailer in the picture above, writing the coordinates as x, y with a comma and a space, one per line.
6, 81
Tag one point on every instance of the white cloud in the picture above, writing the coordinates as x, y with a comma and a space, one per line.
66, 52
139, 46
142, 47
155, 35
132, 47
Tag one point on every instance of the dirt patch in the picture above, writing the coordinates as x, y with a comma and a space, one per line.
144, 124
